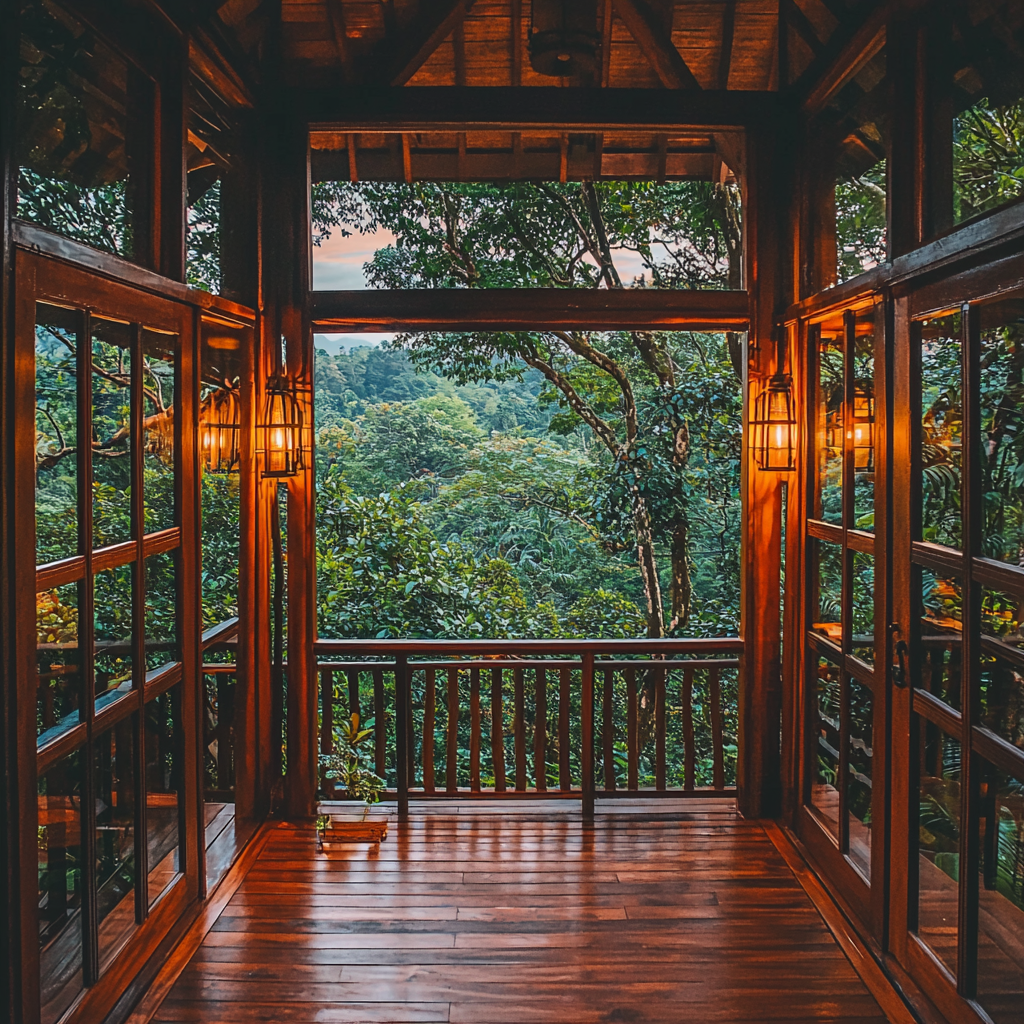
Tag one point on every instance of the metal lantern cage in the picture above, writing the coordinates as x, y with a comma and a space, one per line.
773, 425
281, 427
564, 39
220, 430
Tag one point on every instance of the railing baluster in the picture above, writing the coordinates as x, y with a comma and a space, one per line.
587, 735
327, 721
429, 697
691, 754
564, 765
631, 730
353, 693
380, 730
474, 730
497, 732
659, 728
608, 729
451, 782
519, 729
717, 741
540, 731
402, 731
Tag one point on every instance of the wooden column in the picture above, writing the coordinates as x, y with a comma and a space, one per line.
758, 781
286, 276
18, 941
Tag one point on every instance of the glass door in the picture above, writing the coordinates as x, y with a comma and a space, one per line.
958, 729
842, 799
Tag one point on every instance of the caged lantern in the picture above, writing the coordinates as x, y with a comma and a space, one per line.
564, 40
773, 425
281, 429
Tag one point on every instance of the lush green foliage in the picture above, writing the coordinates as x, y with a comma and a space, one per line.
350, 763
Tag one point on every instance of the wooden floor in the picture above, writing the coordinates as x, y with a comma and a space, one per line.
516, 913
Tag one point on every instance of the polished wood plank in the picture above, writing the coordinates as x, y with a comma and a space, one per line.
515, 913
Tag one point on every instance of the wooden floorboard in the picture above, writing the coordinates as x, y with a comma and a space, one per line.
519, 914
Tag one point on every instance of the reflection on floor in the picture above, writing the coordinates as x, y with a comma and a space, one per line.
516, 912
225, 836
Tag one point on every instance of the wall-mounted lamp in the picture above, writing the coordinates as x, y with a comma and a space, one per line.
773, 426
564, 39
220, 426
281, 429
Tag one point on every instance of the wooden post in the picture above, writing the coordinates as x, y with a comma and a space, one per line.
757, 775
402, 725
587, 736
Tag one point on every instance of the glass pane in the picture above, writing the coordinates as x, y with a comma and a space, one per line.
1001, 897
860, 118
829, 579
824, 788
74, 98
164, 796
59, 679
941, 613
161, 610
159, 354
938, 842
115, 837
863, 423
56, 433
863, 643
941, 426
1001, 459
1002, 666
527, 233
829, 502
111, 440
59, 844
988, 131
858, 780
112, 612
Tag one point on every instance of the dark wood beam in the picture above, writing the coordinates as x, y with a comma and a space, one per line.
656, 44
336, 12
436, 19
516, 42
446, 109
607, 16
804, 29
851, 46
728, 31
528, 309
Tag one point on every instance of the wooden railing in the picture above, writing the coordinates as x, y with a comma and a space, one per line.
220, 679
538, 718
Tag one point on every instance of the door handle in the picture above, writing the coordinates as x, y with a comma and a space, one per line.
901, 650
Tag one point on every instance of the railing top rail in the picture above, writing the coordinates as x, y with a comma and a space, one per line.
223, 631
686, 645
514, 662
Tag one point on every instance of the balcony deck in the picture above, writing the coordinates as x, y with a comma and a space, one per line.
515, 912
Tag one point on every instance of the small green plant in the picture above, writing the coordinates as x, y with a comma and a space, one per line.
349, 765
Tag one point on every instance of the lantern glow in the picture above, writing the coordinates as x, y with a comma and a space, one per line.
219, 429
281, 429
773, 427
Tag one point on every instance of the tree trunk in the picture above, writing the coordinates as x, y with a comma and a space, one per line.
648, 568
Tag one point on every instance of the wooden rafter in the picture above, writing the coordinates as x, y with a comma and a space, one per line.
459, 43
607, 16
336, 12
516, 42
656, 44
850, 47
411, 48
728, 30
802, 25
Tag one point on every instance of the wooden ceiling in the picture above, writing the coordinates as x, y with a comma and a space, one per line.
677, 44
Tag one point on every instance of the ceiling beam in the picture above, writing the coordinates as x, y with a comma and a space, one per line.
849, 48
529, 309
497, 108
435, 20
802, 24
728, 31
656, 43
336, 12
